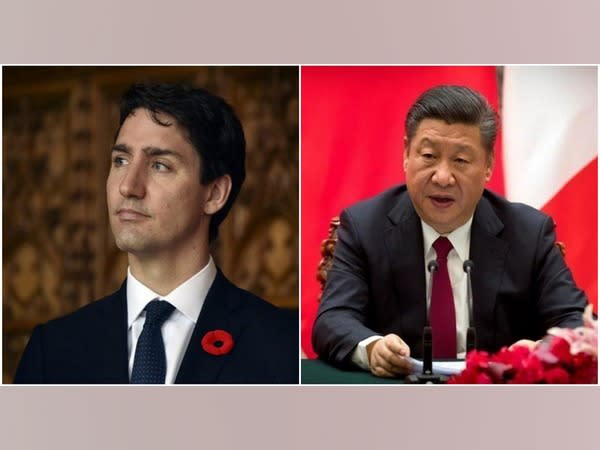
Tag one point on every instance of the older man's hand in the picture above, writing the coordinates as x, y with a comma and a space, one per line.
388, 357
525, 343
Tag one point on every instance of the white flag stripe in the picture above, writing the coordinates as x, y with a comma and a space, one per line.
549, 117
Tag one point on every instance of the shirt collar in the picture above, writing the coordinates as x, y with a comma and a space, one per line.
460, 238
187, 298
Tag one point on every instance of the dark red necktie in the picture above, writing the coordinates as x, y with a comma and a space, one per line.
441, 310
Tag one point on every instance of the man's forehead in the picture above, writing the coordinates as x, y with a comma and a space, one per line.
148, 131
437, 132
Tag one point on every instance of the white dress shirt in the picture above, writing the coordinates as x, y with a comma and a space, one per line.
461, 242
188, 299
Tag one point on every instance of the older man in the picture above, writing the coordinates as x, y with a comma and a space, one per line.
374, 306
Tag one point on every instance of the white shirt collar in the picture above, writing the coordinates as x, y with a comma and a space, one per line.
188, 298
460, 238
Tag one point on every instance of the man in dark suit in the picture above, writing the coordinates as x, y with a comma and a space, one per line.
178, 163
375, 305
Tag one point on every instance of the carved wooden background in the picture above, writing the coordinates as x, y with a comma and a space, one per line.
58, 127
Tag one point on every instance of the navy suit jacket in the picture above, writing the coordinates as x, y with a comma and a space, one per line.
89, 346
521, 285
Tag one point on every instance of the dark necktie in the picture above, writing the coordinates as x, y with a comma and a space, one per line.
441, 310
150, 363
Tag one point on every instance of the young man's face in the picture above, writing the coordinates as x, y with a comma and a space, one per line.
446, 170
156, 204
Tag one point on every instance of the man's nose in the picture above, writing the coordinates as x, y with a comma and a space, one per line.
443, 175
133, 183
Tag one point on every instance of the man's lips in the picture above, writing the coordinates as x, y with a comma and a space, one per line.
441, 201
131, 214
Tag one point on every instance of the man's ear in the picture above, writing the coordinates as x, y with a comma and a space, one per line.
491, 160
217, 194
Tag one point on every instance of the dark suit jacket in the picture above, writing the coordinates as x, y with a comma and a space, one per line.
90, 345
521, 285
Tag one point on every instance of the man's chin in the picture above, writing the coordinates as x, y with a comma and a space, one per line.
442, 225
131, 244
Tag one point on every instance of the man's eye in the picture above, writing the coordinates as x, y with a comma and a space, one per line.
161, 167
119, 161
461, 161
427, 155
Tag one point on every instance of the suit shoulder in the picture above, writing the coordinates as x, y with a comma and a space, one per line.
261, 311
85, 316
514, 214
384, 200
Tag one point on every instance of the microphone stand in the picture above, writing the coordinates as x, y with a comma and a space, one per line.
427, 376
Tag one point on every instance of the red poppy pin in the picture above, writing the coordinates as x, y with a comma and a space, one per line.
217, 342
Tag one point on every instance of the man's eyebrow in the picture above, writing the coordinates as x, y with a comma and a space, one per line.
427, 141
149, 151
121, 148
157, 151
435, 144
465, 148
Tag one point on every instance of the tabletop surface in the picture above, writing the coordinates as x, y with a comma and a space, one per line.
316, 371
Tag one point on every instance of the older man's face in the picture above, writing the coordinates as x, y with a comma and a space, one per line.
446, 170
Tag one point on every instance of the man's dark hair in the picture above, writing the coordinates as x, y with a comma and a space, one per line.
454, 104
212, 128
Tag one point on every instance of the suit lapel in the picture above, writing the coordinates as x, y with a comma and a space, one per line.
198, 366
110, 348
488, 253
404, 242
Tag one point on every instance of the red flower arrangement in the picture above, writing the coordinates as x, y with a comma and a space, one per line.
217, 342
563, 356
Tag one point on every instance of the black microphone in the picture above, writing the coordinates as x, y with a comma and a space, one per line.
427, 376
468, 266
432, 267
